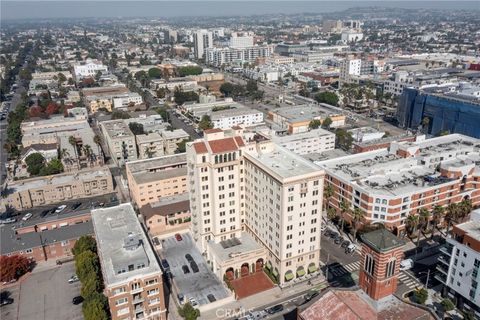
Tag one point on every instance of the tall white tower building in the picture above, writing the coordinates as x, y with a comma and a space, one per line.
202, 39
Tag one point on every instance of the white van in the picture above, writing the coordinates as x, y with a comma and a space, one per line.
406, 264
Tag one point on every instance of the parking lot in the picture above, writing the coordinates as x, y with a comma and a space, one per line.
45, 295
198, 285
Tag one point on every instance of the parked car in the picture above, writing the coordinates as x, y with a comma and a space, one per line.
189, 258
8, 220
75, 205
309, 296
165, 265
178, 237
77, 300
5, 301
181, 298
60, 208
44, 213
185, 269
194, 266
351, 248
73, 279
406, 264
338, 240
27, 216
211, 298
345, 244
333, 234
274, 309
193, 302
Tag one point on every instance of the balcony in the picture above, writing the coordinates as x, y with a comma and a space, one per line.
442, 268
444, 260
138, 299
441, 277
138, 308
447, 249
136, 290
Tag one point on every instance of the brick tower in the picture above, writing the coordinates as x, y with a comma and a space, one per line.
382, 253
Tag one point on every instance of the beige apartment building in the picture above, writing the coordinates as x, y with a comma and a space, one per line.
149, 145
257, 191
29, 193
152, 179
171, 139
132, 276
120, 141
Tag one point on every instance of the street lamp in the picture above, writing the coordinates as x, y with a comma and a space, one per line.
428, 276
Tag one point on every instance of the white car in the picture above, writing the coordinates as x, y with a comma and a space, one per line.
27, 216
193, 302
61, 208
406, 264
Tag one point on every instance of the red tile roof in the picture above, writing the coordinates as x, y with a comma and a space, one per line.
200, 147
223, 145
216, 130
239, 141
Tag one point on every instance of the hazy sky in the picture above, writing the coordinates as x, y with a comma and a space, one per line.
17, 9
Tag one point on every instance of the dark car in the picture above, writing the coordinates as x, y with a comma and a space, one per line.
211, 298
338, 240
309, 296
165, 265
274, 309
156, 241
77, 300
333, 234
345, 244
44, 213
189, 258
185, 269
75, 205
194, 266
5, 300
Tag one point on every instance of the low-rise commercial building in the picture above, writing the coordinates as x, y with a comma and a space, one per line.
88, 68
29, 193
131, 274
152, 179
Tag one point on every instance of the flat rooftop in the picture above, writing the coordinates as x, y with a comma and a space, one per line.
471, 228
303, 112
233, 113
283, 163
304, 135
228, 249
175, 134
117, 129
147, 138
59, 179
159, 168
124, 250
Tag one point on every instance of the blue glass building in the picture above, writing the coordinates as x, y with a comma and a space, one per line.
446, 112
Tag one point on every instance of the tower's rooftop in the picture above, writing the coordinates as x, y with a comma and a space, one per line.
382, 240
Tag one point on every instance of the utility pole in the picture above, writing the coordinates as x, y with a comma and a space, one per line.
326, 273
428, 276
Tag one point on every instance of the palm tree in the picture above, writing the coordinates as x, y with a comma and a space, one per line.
87, 151
464, 208
327, 194
437, 214
344, 208
357, 216
64, 154
331, 213
73, 141
451, 215
98, 142
424, 218
412, 222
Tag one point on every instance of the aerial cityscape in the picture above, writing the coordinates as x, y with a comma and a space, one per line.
310, 160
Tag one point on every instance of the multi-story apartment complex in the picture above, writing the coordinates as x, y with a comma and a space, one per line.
131, 274
241, 40
225, 119
149, 145
219, 56
171, 139
152, 179
459, 265
389, 185
40, 191
89, 68
126, 100
202, 39
314, 141
258, 190
120, 141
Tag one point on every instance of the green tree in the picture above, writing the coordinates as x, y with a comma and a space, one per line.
136, 128
437, 214
181, 146
181, 96
35, 163
357, 217
95, 307
87, 265
227, 89
448, 305
154, 73
205, 123
327, 97
189, 71
451, 215
425, 124
412, 223
90, 286
328, 192
344, 210
327, 122
54, 166
25, 74
420, 295
343, 139
163, 112
188, 312
252, 86
314, 124
119, 114
468, 315
84, 243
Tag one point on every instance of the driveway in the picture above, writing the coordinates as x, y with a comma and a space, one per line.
45, 295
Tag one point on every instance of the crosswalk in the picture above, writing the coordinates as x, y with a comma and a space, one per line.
349, 268
408, 280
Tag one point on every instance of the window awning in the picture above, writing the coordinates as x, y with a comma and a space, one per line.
268, 265
275, 272
312, 268
300, 272
289, 276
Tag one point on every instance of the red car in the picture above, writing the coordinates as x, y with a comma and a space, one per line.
178, 237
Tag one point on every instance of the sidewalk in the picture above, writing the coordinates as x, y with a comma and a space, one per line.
240, 308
